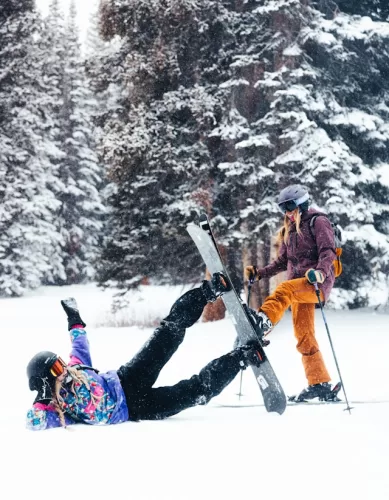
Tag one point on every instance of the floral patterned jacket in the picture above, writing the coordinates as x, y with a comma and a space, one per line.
108, 405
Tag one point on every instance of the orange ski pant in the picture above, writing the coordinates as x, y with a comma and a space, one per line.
300, 295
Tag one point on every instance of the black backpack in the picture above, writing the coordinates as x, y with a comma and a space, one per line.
338, 268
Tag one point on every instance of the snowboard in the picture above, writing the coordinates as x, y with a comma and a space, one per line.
273, 395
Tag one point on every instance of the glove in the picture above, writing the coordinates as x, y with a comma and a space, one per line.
314, 276
251, 273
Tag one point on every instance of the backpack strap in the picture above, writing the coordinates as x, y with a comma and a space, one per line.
335, 228
312, 225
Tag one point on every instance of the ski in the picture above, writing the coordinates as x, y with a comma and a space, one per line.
273, 395
332, 398
315, 402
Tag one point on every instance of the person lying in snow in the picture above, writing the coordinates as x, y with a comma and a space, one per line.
75, 392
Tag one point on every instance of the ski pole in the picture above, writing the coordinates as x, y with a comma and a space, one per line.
332, 347
240, 385
250, 284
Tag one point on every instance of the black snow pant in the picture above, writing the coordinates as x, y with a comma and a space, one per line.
140, 374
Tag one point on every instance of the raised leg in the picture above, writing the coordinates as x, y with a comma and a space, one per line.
143, 369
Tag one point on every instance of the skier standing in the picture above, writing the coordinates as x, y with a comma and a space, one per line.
76, 392
308, 258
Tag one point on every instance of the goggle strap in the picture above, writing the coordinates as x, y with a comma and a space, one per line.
301, 200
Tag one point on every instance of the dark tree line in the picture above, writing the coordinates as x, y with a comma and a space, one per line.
206, 106
219, 104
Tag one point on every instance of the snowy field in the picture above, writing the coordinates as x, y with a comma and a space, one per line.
208, 452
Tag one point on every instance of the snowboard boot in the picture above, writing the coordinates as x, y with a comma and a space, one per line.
215, 288
187, 309
322, 391
71, 309
261, 324
250, 354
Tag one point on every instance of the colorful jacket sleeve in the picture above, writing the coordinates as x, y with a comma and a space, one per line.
42, 416
80, 347
325, 242
277, 266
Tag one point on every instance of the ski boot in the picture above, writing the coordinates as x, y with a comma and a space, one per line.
187, 309
261, 324
215, 288
323, 391
250, 354
71, 309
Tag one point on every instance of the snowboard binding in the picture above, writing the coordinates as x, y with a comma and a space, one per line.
215, 288
252, 354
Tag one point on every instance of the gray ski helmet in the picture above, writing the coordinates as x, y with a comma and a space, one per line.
39, 376
292, 197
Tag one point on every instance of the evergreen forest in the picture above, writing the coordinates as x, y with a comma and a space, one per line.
172, 108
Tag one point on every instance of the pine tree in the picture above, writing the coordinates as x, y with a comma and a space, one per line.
53, 68
360, 120
376, 9
320, 81
81, 211
156, 141
29, 245
261, 96
96, 53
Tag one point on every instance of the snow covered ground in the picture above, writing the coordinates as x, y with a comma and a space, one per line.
208, 452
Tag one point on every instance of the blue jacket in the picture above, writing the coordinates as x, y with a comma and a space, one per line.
109, 407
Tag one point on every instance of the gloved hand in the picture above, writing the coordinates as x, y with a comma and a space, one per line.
314, 276
251, 273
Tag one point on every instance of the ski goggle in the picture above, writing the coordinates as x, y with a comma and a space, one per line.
288, 206
58, 367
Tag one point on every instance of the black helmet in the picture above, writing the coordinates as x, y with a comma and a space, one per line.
292, 197
39, 376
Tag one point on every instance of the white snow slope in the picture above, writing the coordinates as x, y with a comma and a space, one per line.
208, 452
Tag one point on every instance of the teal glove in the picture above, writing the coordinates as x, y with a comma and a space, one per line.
314, 276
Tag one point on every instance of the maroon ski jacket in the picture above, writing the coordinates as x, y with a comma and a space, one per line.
306, 251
